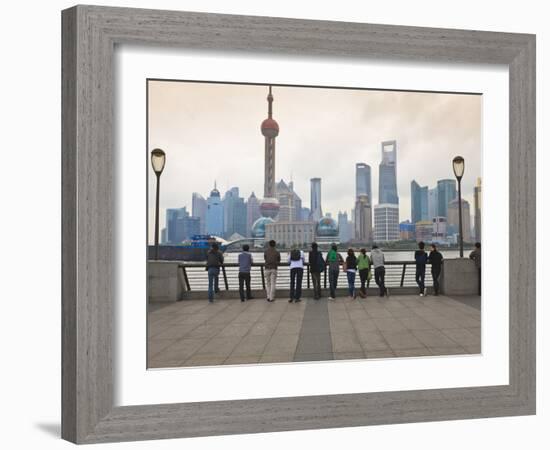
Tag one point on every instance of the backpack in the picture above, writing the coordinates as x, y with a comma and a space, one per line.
295, 255
321, 262
421, 257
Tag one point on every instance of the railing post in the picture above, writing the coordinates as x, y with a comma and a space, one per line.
403, 274
307, 275
263, 276
185, 277
225, 278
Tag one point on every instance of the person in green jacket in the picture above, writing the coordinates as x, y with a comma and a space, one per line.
334, 260
363, 265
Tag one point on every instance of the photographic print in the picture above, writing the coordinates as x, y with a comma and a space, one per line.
302, 223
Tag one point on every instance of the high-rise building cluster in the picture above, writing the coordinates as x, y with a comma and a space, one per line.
281, 215
438, 208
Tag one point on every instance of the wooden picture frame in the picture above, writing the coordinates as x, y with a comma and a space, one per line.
89, 37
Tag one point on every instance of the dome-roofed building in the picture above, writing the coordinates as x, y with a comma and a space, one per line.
258, 229
327, 227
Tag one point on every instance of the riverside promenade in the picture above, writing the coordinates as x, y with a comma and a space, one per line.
227, 332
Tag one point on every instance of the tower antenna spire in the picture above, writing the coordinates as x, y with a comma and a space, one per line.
270, 103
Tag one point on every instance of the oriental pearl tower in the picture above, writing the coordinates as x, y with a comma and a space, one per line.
269, 205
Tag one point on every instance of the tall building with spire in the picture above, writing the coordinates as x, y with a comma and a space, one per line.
269, 206
214, 213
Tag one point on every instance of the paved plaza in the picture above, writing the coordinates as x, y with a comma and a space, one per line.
196, 333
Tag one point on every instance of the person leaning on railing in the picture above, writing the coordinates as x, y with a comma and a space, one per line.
272, 258
436, 260
296, 262
363, 266
214, 260
476, 256
245, 265
378, 262
334, 259
316, 267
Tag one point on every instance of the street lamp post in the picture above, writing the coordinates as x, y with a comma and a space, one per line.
158, 159
458, 168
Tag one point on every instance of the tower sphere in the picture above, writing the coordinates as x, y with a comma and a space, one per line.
270, 128
269, 207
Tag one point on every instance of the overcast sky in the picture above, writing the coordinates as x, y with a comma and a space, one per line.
212, 132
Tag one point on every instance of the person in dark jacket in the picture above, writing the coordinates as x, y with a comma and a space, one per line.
421, 258
351, 271
334, 259
316, 266
476, 256
245, 266
214, 261
435, 258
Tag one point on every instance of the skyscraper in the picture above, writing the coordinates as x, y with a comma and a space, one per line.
315, 196
362, 180
297, 201
452, 219
477, 211
252, 213
180, 225
289, 202
419, 202
214, 213
439, 230
363, 219
406, 230
386, 222
387, 180
432, 203
344, 227
234, 213
446, 191
198, 209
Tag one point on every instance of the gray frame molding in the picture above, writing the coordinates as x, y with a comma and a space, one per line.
88, 154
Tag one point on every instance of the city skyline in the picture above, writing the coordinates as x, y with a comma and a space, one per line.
338, 187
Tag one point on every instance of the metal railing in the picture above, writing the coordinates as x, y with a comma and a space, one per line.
398, 274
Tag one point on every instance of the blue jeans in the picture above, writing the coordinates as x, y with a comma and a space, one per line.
351, 283
420, 276
213, 275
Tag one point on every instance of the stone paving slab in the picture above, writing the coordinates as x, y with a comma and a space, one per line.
197, 333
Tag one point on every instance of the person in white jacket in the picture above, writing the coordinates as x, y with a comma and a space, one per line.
378, 261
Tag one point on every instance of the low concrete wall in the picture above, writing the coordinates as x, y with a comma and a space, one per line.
459, 277
164, 282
